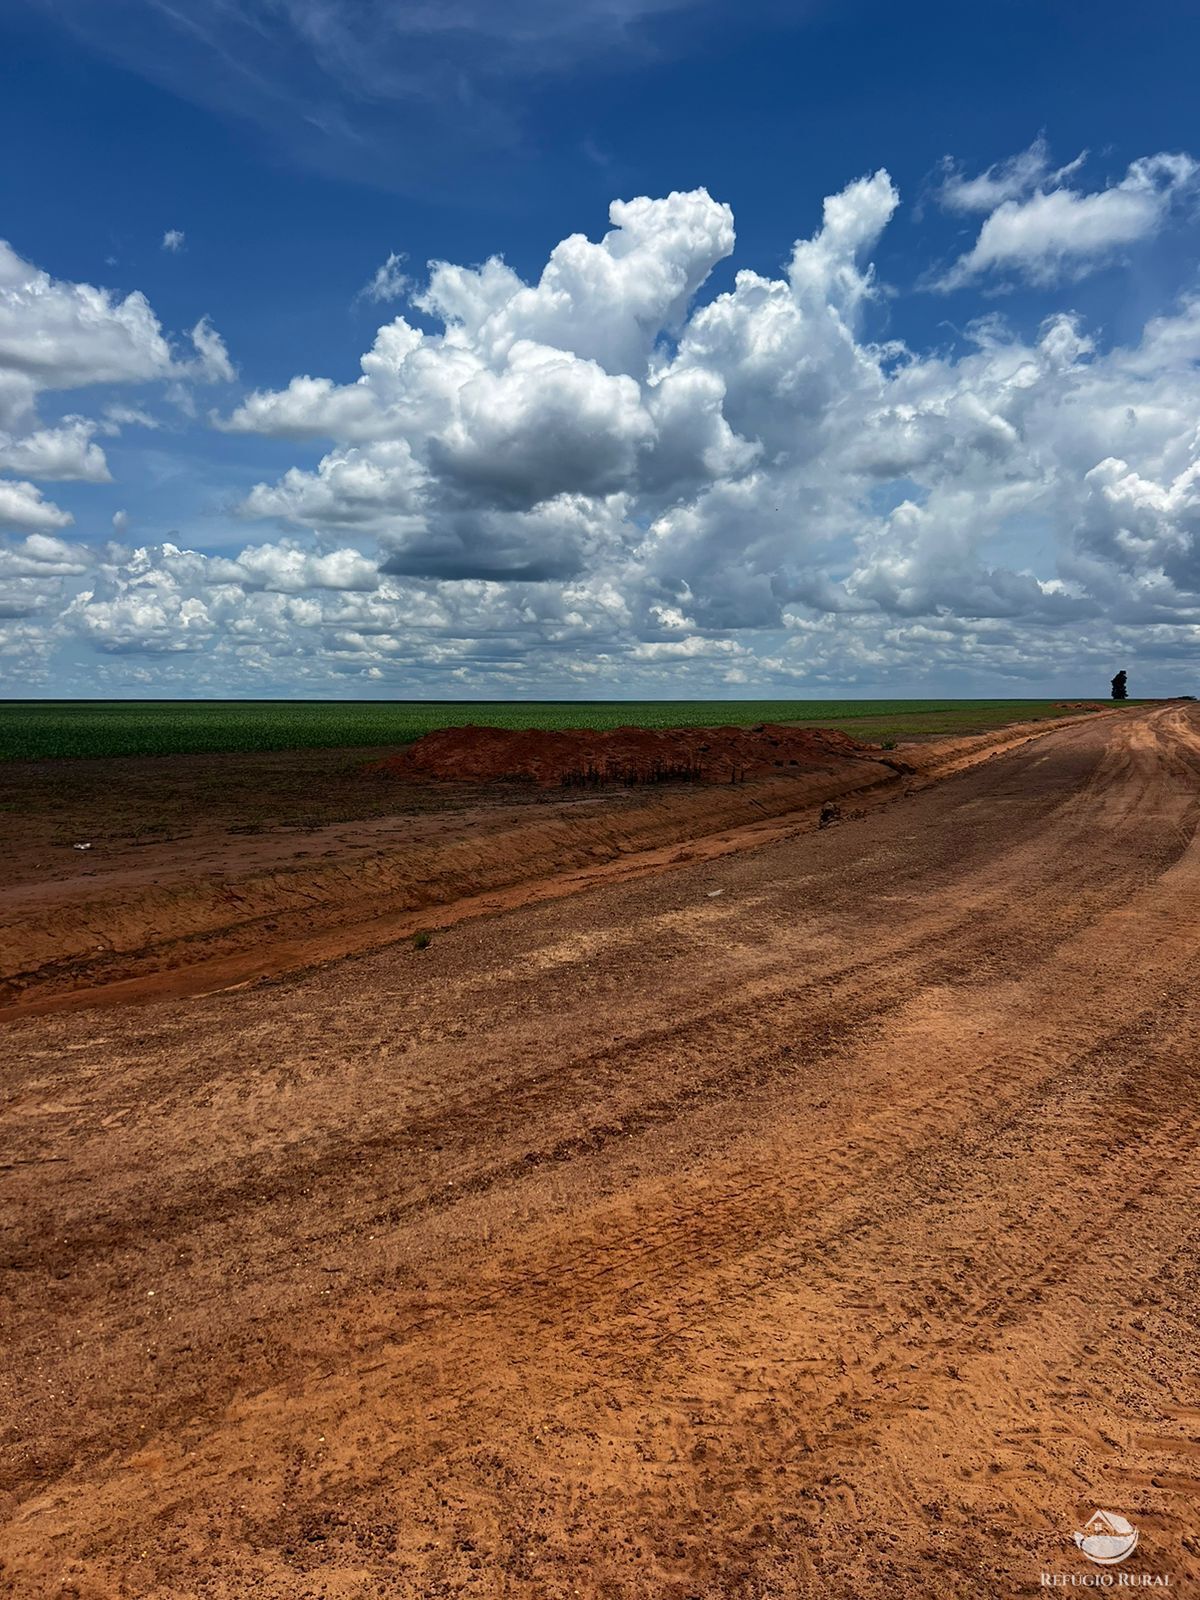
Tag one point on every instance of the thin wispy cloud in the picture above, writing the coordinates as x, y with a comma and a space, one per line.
391, 94
388, 282
1043, 229
1011, 179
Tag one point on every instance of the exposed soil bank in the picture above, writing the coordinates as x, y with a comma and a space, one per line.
136, 923
590, 757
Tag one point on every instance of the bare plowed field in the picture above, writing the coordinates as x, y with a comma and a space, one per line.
820, 1218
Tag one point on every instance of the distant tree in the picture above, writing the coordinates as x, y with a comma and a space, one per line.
1119, 691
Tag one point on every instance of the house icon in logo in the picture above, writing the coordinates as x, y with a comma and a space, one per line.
1107, 1538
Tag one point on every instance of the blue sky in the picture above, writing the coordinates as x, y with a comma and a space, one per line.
949, 447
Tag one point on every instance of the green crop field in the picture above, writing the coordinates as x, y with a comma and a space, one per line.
34, 729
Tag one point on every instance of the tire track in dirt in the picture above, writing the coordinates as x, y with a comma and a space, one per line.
861, 1264
114, 943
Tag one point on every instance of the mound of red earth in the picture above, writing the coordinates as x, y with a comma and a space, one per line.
1078, 705
587, 757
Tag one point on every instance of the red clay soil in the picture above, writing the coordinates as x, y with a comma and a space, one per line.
139, 918
820, 1222
582, 757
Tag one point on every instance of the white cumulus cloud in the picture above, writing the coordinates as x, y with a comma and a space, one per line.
61, 336
23, 506
68, 451
56, 335
614, 478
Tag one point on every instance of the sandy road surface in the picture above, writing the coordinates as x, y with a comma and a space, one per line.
835, 1233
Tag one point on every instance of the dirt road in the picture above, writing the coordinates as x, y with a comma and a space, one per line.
821, 1220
